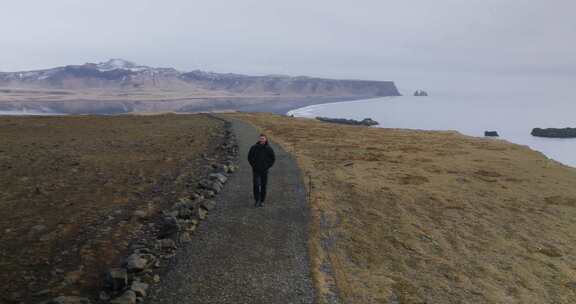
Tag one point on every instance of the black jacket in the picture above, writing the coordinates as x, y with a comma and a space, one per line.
261, 157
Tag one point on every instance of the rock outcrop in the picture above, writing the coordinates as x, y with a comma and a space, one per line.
420, 93
554, 132
363, 122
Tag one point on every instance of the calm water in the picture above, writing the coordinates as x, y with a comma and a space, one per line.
27, 113
513, 118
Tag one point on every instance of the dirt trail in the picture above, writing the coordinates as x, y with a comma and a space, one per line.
243, 254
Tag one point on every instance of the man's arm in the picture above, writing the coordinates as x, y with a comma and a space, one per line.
271, 157
251, 159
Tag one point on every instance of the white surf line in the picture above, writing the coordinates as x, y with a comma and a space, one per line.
308, 110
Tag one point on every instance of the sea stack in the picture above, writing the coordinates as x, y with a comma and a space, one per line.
420, 93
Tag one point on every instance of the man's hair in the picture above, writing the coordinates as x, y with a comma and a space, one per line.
262, 134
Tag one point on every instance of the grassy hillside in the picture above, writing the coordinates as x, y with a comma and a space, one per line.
402, 216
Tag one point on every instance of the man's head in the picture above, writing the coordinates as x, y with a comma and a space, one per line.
262, 140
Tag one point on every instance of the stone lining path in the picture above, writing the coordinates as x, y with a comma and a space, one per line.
242, 254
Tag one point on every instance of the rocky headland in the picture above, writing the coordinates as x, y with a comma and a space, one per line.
554, 132
420, 93
120, 86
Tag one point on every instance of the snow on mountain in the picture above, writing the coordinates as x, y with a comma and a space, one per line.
120, 64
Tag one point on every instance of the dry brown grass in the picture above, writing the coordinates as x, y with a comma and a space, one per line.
433, 217
69, 187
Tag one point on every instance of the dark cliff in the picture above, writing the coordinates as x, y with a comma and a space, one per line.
285, 85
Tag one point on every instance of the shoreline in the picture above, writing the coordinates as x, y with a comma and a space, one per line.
553, 149
276, 105
314, 106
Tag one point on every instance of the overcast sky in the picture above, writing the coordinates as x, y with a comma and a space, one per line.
417, 43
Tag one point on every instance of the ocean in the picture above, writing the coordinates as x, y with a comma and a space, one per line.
513, 118
28, 113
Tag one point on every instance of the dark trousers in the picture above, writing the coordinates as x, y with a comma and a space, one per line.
259, 179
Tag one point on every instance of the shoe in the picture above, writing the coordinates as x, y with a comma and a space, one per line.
261, 204
256, 204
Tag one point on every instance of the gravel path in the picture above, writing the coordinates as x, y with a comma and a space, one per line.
242, 254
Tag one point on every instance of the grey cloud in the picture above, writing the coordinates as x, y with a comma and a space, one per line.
407, 40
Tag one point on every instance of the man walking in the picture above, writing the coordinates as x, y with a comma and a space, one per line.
261, 157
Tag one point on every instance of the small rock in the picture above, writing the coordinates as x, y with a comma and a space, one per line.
205, 184
136, 262
156, 278
38, 228
191, 228
219, 168
142, 251
15, 296
213, 185
116, 279
140, 214
69, 300
136, 246
196, 196
550, 251
104, 296
219, 177
41, 293
202, 213
73, 277
46, 237
129, 297
184, 213
172, 213
208, 204
139, 288
209, 193
184, 203
185, 237
217, 186
167, 244
169, 225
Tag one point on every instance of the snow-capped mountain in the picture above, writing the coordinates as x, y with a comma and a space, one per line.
119, 74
